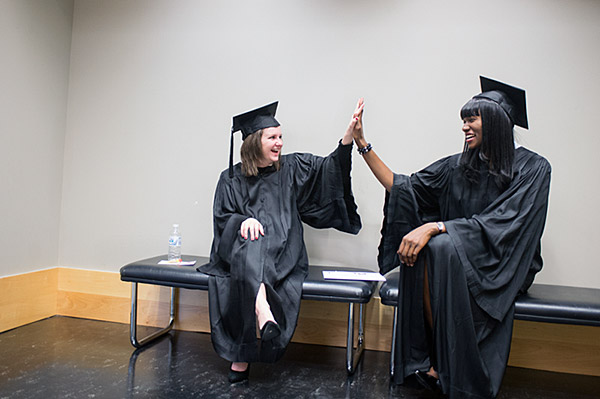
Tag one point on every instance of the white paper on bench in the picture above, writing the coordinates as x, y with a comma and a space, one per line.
177, 262
348, 275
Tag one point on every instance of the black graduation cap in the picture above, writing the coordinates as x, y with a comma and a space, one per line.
510, 98
250, 122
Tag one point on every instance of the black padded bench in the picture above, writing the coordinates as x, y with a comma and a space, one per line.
542, 302
315, 287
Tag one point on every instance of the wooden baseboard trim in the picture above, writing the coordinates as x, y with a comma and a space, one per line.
103, 296
27, 298
562, 348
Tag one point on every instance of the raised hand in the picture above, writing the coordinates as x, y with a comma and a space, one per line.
354, 129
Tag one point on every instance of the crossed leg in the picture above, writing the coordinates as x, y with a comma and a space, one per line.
263, 313
262, 308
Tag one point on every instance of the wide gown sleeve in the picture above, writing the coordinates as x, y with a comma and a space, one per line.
226, 226
411, 201
324, 192
498, 246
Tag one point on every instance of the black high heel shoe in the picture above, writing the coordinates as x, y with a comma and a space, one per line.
428, 381
239, 376
269, 331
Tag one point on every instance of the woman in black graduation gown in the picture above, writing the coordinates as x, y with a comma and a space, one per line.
467, 231
258, 259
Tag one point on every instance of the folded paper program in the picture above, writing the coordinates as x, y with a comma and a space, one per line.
350, 275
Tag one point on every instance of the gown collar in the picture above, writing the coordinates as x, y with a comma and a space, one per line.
267, 169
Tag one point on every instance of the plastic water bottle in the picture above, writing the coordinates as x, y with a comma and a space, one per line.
175, 243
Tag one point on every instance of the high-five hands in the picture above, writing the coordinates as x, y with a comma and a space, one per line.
355, 128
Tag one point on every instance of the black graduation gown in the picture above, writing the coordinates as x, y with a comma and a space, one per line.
489, 255
307, 188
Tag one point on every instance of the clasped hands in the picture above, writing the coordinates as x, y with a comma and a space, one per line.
413, 242
251, 227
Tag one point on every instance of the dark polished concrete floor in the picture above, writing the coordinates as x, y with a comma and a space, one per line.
63, 357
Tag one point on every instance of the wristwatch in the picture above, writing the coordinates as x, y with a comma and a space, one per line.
441, 227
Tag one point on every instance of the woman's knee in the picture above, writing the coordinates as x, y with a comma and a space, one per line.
442, 254
440, 242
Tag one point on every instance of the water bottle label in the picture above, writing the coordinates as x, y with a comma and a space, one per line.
175, 241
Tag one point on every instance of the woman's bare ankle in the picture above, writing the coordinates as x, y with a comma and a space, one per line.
262, 309
263, 315
433, 373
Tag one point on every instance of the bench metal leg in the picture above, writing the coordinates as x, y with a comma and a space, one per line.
133, 320
353, 356
393, 347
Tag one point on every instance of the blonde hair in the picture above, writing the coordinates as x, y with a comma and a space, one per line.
251, 154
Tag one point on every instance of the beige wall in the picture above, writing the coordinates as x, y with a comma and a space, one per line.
35, 41
153, 85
